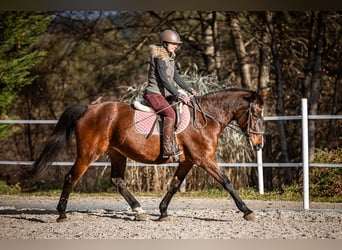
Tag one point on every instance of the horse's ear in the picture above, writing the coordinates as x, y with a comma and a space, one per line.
263, 92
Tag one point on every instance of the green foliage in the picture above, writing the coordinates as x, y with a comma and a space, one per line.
5, 189
328, 156
7, 130
20, 32
326, 181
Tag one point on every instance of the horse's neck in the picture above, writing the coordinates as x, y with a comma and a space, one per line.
224, 108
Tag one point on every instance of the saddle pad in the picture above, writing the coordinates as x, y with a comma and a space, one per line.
143, 121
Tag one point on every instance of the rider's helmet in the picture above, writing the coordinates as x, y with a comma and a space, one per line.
170, 36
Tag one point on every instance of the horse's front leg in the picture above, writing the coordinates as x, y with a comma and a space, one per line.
120, 184
213, 169
179, 176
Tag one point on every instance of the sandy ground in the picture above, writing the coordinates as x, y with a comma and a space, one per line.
191, 218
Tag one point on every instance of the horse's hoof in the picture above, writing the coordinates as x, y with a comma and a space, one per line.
62, 219
164, 218
141, 217
250, 216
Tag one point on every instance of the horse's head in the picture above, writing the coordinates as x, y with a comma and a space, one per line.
250, 120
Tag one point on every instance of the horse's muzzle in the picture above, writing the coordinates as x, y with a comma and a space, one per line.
256, 142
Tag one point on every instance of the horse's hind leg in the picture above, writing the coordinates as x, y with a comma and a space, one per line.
118, 163
71, 179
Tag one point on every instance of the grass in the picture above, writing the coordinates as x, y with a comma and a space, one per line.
288, 194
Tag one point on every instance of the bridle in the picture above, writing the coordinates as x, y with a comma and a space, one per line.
249, 130
249, 112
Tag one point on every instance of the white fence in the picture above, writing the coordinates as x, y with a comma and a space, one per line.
305, 164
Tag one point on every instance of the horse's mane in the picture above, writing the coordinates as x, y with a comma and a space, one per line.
224, 98
221, 91
224, 93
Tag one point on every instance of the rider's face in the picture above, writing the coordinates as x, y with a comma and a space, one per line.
171, 47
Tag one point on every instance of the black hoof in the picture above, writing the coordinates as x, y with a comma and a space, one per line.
164, 218
62, 218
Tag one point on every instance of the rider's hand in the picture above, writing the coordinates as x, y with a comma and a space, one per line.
184, 98
194, 92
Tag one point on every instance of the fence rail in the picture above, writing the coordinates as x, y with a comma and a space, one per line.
220, 164
305, 164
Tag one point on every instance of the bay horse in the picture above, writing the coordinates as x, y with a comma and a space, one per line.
107, 128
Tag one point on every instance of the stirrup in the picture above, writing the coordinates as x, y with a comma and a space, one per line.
174, 154
176, 150
177, 153
176, 157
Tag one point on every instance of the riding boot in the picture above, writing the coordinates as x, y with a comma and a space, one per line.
168, 147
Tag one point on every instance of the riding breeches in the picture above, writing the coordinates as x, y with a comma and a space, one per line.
161, 105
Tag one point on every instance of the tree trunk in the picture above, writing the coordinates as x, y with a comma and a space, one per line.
240, 51
315, 81
211, 54
331, 137
280, 95
310, 59
264, 64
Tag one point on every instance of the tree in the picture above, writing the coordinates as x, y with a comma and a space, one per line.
209, 34
240, 50
280, 91
312, 84
20, 32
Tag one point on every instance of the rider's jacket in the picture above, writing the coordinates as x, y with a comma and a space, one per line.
163, 76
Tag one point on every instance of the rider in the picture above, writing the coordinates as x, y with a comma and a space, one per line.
161, 88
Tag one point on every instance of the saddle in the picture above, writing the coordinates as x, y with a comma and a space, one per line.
146, 121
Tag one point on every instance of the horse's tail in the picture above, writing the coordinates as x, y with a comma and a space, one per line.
62, 133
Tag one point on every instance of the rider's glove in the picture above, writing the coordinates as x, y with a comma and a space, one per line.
184, 98
194, 92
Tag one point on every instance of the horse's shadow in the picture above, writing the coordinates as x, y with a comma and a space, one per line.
129, 216
22, 214
108, 213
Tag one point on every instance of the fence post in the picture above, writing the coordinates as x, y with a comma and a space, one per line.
182, 188
260, 172
305, 148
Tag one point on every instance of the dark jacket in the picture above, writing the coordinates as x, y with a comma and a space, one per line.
163, 76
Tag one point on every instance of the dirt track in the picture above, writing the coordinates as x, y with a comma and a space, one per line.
109, 218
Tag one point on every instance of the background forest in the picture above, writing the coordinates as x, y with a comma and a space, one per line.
51, 60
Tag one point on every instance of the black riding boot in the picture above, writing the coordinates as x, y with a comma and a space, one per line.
168, 147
